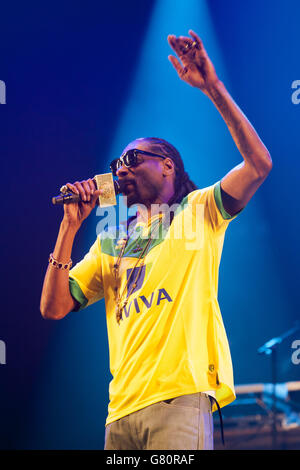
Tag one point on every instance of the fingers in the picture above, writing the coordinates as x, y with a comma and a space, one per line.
86, 189
177, 65
196, 39
72, 188
183, 44
180, 45
95, 193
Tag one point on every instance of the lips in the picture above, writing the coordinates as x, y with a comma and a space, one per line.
128, 189
126, 186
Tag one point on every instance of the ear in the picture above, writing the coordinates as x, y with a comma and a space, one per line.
168, 167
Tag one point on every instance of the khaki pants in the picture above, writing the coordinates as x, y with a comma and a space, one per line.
182, 423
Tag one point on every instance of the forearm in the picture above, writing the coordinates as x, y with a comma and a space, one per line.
56, 300
252, 149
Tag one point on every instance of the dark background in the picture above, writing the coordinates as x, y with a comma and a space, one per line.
71, 70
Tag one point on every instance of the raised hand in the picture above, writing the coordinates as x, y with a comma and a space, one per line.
194, 66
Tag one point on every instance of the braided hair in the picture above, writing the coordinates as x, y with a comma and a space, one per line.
183, 185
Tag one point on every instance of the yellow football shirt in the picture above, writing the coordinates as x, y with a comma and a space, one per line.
171, 340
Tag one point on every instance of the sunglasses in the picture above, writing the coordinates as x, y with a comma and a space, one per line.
130, 159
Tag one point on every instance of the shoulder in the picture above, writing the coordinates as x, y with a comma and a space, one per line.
210, 198
203, 194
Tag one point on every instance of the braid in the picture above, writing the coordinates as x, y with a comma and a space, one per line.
183, 184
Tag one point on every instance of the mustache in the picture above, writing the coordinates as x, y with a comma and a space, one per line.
124, 183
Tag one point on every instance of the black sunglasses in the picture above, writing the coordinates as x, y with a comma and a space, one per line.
130, 159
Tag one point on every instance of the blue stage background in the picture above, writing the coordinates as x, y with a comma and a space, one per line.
82, 80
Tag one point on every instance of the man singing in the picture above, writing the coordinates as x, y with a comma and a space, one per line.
169, 355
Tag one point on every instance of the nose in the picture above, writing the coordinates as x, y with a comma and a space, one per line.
122, 171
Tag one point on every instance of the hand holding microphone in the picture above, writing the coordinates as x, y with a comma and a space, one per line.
104, 182
80, 198
83, 196
81, 191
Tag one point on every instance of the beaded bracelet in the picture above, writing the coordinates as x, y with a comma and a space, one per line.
59, 265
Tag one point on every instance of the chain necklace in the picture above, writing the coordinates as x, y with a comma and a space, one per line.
120, 305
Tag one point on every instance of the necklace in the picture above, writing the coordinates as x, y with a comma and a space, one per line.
120, 305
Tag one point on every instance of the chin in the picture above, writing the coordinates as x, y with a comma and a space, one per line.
130, 200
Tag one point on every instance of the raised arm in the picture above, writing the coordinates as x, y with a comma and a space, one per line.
195, 67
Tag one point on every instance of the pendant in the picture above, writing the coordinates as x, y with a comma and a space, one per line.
137, 248
118, 313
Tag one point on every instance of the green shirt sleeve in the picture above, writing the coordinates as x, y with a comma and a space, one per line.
219, 202
77, 295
